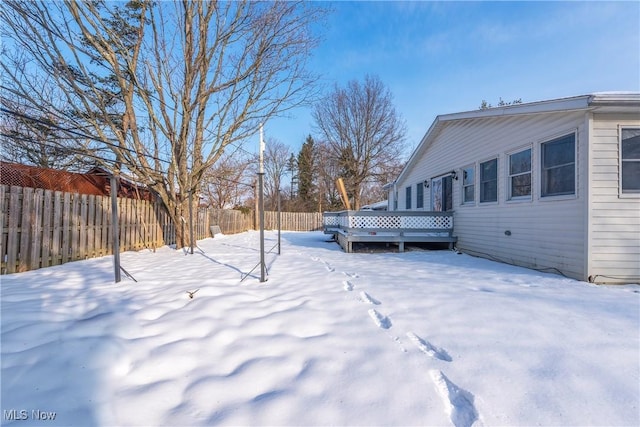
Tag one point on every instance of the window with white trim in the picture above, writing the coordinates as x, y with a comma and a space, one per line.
558, 166
630, 160
419, 195
489, 181
520, 174
408, 198
469, 184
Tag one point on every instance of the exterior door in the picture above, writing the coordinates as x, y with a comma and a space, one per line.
442, 194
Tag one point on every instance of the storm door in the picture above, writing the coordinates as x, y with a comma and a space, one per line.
442, 194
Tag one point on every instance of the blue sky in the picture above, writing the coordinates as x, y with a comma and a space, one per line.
446, 57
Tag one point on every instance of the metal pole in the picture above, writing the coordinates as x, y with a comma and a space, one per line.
261, 206
191, 220
115, 230
279, 221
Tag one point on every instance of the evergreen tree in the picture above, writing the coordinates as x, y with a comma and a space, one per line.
306, 175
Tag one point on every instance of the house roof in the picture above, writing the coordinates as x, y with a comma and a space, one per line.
598, 101
95, 182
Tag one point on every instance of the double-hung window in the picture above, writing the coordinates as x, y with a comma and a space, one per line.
489, 181
408, 198
468, 184
630, 161
558, 166
520, 174
419, 195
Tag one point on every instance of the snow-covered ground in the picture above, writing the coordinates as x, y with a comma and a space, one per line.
414, 338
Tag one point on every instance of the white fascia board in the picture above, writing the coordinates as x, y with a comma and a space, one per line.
581, 102
615, 98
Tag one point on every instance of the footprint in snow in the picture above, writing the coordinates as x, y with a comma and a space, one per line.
326, 264
352, 275
380, 320
366, 298
458, 402
347, 285
427, 348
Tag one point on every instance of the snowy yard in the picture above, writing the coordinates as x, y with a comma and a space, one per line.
414, 338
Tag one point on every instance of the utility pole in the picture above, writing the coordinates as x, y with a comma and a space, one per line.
261, 206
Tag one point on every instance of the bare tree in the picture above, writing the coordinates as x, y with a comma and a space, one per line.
166, 86
228, 183
484, 105
28, 137
363, 130
276, 160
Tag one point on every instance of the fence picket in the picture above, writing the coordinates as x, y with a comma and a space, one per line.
66, 221
13, 242
25, 228
46, 229
75, 227
3, 216
56, 244
36, 229
84, 220
91, 224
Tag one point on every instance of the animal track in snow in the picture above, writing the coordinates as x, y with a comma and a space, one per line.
458, 402
380, 320
399, 342
427, 348
366, 298
347, 285
352, 275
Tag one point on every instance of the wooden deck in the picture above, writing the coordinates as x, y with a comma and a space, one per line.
397, 227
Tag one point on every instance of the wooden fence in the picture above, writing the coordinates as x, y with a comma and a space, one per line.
42, 228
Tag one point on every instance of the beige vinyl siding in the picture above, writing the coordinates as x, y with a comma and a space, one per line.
614, 249
546, 233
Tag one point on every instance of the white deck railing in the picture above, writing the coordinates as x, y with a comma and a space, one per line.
397, 227
354, 222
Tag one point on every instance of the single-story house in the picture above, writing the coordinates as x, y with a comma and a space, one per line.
552, 185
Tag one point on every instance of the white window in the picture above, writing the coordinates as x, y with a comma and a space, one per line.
520, 174
489, 181
469, 184
419, 195
630, 161
558, 166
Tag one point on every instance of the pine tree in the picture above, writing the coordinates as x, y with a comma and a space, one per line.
306, 175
